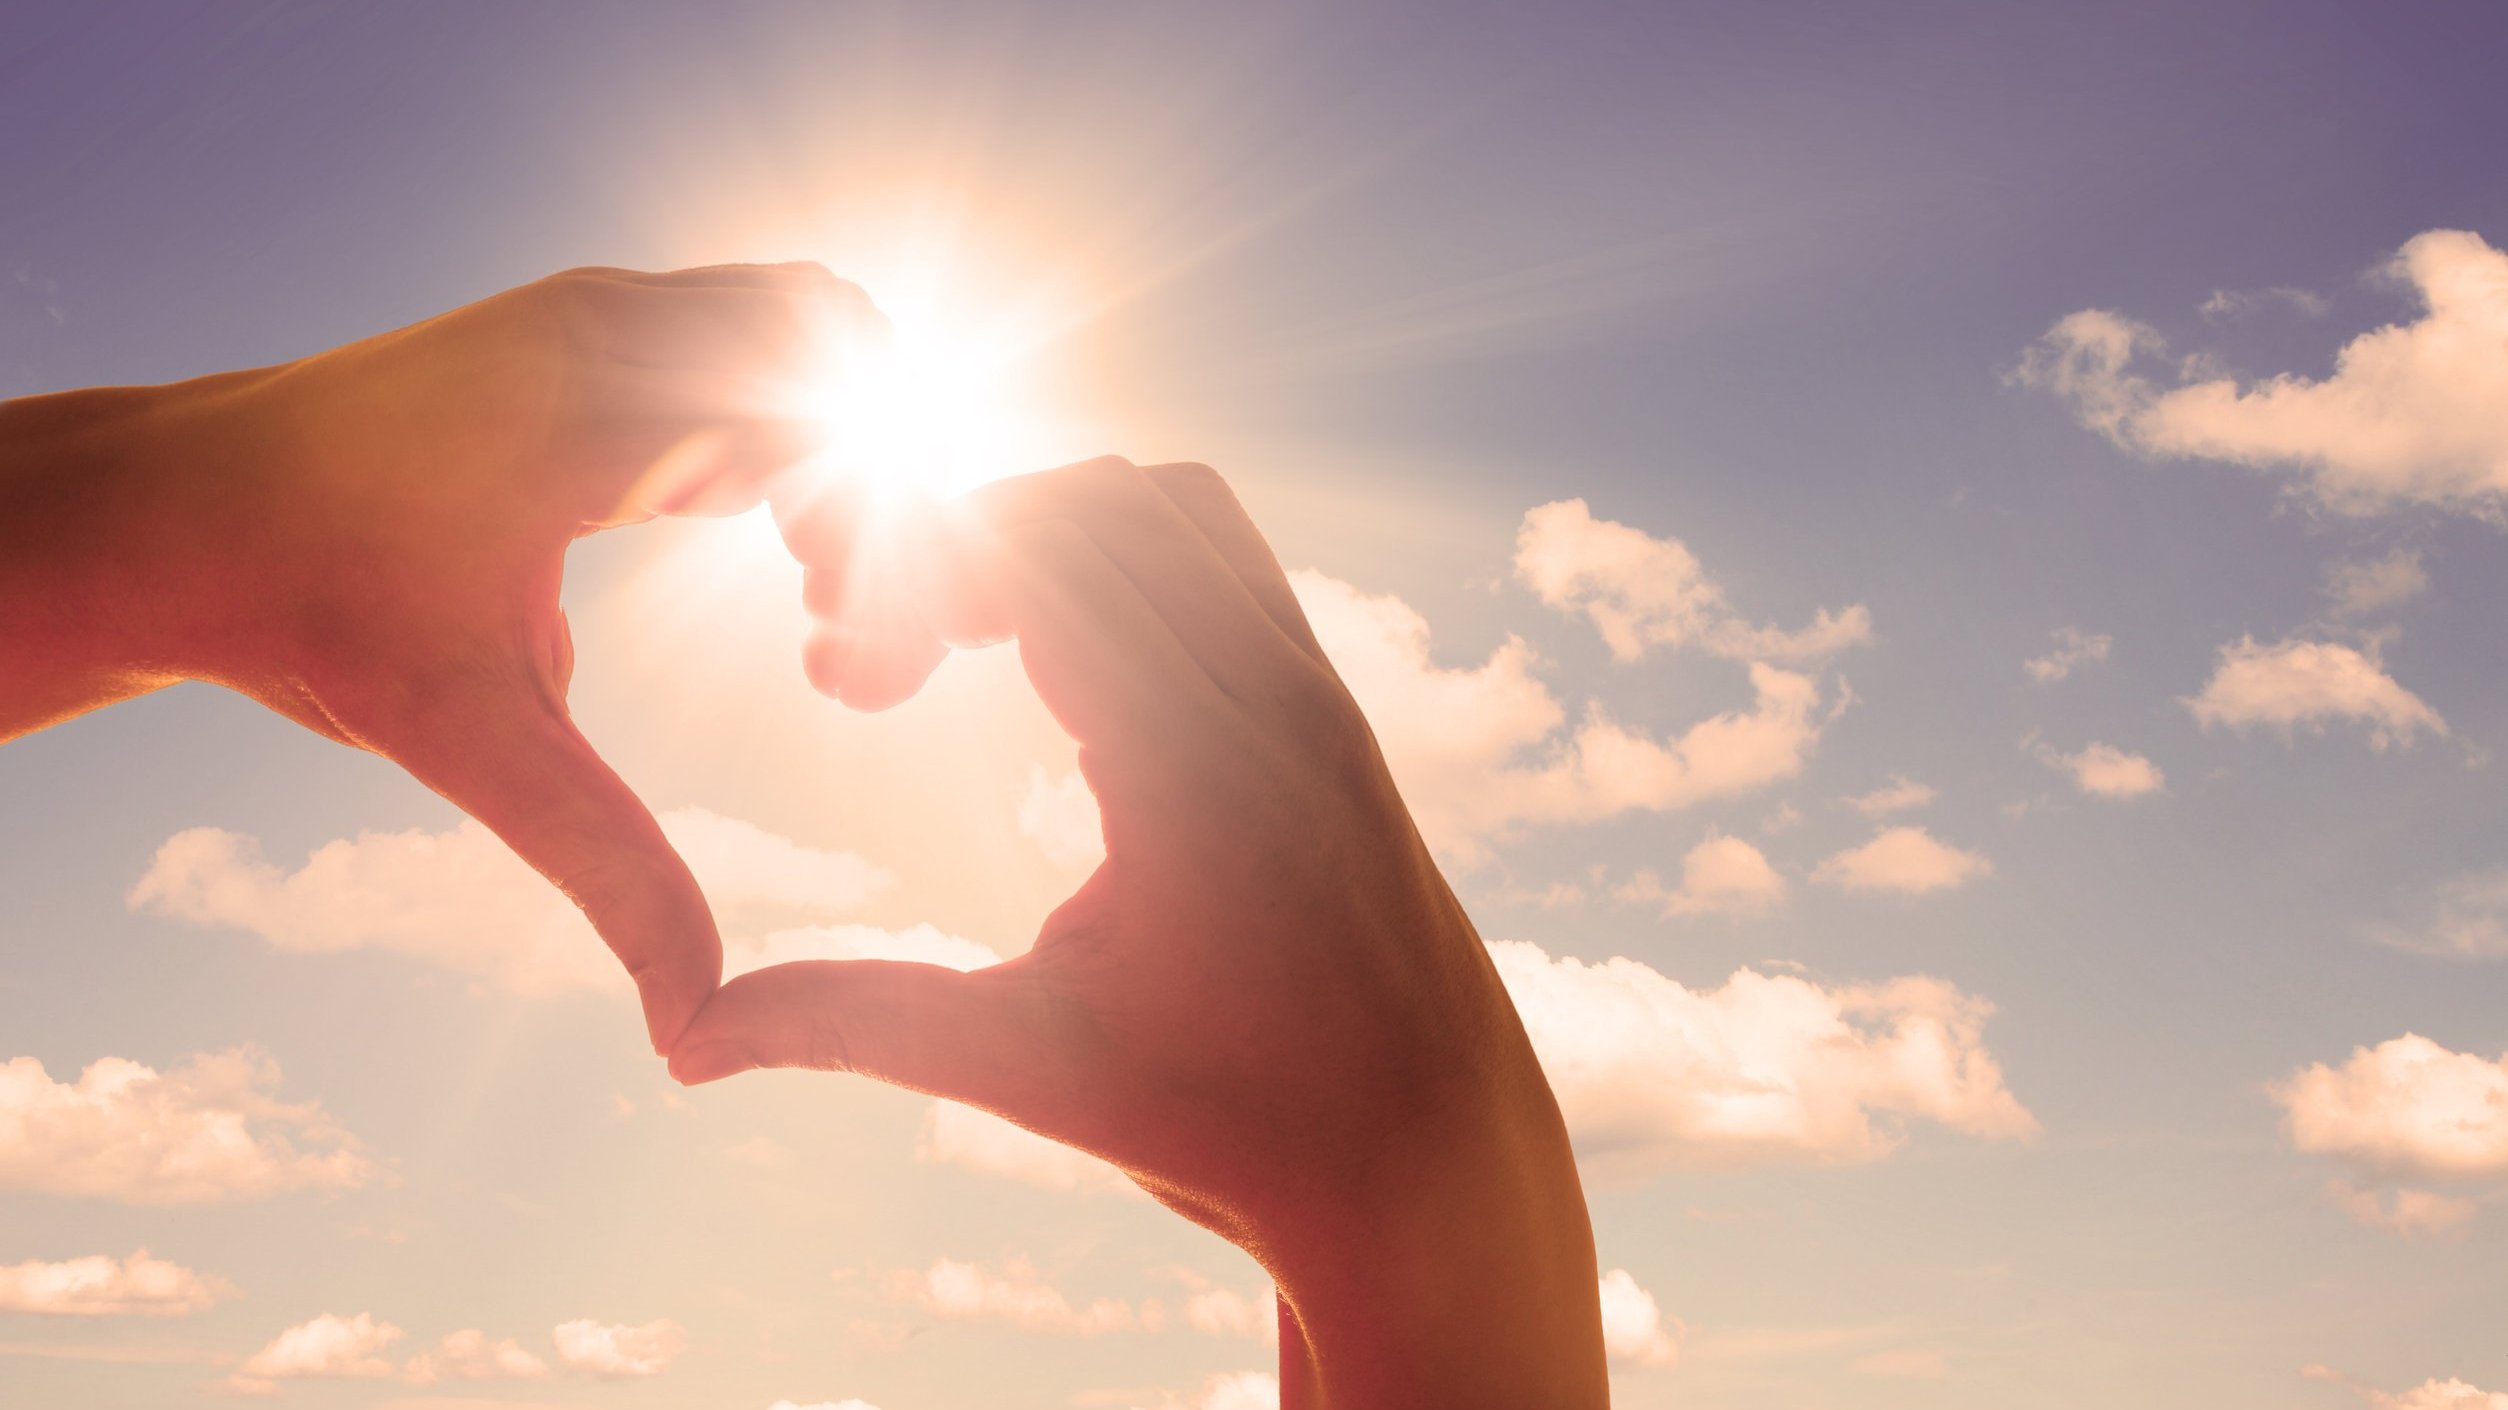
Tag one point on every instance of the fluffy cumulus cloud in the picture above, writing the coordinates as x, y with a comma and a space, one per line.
2105, 771
2406, 1108
2433, 1394
2467, 919
207, 1131
1013, 1293
1904, 859
2073, 649
1720, 876
462, 900
2410, 414
472, 1355
978, 1140
613, 1351
1634, 1330
1766, 1069
1482, 751
2295, 683
329, 1346
102, 1286
1641, 592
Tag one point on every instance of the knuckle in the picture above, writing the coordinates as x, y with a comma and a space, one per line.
1191, 477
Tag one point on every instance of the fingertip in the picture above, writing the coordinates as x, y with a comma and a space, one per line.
712, 1061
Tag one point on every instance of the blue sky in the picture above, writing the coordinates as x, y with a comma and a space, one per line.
1763, 285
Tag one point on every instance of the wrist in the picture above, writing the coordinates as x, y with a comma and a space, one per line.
1464, 1276
111, 554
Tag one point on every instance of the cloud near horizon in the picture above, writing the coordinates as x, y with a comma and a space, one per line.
2407, 1108
208, 1131
460, 899
1763, 1070
101, 1286
2410, 414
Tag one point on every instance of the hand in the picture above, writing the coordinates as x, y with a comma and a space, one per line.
370, 541
1266, 1006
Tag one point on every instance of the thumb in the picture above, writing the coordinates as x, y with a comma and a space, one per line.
521, 768
967, 1036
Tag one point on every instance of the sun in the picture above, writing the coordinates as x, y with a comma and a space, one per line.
944, 402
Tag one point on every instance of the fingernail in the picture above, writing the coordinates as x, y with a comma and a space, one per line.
709, 1062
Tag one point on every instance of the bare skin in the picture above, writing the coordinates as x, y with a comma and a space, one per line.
370, 541
1267, 1006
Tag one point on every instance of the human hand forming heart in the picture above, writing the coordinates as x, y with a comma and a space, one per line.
1266, 1006
370, 541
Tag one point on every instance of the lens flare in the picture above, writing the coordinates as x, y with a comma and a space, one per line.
938, 407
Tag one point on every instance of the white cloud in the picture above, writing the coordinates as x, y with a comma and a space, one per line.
2105, 771
611, 1350
1904, 859
923, 944
2292, 683
470, 1355
2405, 1108
1640, 591
1241, 1390
2409, 416
1481, 752
1061, 815
101, 1286
1720, 876
1228, 1313
1767, 1069
2433, 1394
1634, 1330
328, 1346
1897, 796
2411, 1213
461, 898
2364, 587
953, 1134
2073, 648
1013, 1293
2468, 920
207, 1131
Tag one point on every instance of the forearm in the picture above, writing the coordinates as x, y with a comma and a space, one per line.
101, 559
1470, 1281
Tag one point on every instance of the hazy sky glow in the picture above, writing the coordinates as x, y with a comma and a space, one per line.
1931, 571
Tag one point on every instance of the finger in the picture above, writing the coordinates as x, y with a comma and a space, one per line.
514, 761
1204, 497
1175, 569
871, 667
1103, 661
979, 1037
793, 275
